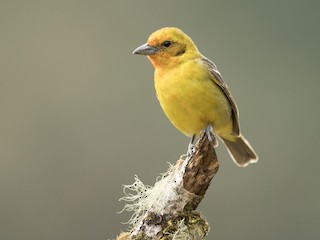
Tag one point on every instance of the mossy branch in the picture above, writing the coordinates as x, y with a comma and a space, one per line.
167, 210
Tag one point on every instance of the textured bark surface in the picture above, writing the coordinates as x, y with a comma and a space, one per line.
197, 172
202, 167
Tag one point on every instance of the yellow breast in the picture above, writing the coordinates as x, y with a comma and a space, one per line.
191, 100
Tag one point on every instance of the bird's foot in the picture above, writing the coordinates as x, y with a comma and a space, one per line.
191, 147
211, 137
208, 131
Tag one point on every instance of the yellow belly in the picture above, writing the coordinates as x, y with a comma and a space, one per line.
191, 100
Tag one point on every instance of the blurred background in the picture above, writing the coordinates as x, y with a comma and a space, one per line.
79, 116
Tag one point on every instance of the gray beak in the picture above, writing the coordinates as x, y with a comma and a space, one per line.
145, 49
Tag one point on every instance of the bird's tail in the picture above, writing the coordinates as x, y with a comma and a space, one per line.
241, 151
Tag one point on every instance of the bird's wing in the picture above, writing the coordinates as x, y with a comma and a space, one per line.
221, 83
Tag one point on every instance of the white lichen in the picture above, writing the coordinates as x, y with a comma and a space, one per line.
166, 196
136, 195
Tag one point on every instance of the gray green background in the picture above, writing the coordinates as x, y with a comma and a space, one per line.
79, 116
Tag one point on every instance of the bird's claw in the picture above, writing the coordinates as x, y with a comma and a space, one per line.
191, 147
209, 133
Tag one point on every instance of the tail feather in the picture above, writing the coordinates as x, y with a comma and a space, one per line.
241, 151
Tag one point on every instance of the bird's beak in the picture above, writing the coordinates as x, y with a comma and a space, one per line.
145, 49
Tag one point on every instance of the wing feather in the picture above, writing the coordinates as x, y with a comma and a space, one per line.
216, 76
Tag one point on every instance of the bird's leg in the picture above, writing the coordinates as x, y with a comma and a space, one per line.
209, 133
191, 146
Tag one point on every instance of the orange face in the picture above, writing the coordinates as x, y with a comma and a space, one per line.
168, 47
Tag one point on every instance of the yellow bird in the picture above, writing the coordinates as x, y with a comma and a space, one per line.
192, 93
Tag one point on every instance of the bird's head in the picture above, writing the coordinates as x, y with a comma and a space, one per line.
168, 47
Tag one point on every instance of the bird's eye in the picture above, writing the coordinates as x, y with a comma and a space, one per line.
166, 44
